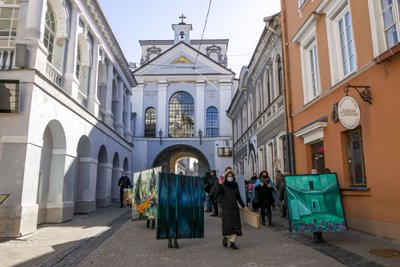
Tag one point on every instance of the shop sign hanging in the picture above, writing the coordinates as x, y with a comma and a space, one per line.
349, 112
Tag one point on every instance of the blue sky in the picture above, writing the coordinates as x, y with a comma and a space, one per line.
240, 21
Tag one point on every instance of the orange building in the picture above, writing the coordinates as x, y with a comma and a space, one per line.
334, 48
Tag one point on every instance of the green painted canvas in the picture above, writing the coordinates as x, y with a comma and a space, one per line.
180, 206
314, 203
145, 194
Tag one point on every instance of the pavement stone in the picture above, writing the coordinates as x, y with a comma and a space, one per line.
108, 237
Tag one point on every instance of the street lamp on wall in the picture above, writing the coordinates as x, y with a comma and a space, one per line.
200, 132
160, 133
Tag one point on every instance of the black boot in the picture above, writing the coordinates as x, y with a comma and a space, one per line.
225, 241
176, 243
233, 246
263, 221
153, 224
148, 223
169, 243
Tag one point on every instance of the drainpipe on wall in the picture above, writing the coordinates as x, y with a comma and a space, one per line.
288, 118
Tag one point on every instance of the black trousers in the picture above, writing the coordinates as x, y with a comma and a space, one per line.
121, 197
215, 204
263, 207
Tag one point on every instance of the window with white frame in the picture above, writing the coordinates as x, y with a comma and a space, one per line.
306, 36
385, 24
342, 54
49, 32
312, 89
346, 43
391, 21
9, 14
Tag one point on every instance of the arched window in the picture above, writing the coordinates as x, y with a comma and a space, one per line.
150, 121
181, 115
279, 73
78, 62
259, 99
267, 88
250, 111
49, 32
212, 122
244, 115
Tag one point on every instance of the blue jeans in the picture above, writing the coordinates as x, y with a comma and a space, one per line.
209, 205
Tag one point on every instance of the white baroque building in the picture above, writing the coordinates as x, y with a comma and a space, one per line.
184, 89
65, 112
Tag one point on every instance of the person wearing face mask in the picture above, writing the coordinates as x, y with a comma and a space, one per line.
231, 224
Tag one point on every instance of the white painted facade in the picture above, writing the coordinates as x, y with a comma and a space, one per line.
64, 150
173, 66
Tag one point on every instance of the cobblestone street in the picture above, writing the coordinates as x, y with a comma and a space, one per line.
108, 237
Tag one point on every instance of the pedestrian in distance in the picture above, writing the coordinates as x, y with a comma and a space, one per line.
207, 188
254, 203
123, 182
231, 224
212, 195
264, 189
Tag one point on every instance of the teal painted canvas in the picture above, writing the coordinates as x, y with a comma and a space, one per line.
180, 212
144, 194
314, 203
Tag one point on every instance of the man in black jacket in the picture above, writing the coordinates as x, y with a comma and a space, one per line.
123, 182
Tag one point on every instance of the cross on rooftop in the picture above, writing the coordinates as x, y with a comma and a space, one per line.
182, 17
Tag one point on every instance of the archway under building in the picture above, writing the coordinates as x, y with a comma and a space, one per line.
173, 155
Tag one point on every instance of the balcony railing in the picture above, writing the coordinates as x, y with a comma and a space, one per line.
7, 58
54, 75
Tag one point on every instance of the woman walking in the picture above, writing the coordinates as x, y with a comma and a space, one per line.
231, 225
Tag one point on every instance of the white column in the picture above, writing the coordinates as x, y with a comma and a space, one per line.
69, 85
35, 19
162, 108
200, 107
110, 78
93, 101
138, 109
120, 124
128, 132
103, 187
225, 97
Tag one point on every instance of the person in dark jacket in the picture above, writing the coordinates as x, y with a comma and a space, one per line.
254, 203
207, 189
212, 195
231, 224
123, 182
264, 189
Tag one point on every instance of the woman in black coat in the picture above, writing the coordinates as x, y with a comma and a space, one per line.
231, 225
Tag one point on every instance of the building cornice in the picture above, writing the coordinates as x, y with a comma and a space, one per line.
108, 36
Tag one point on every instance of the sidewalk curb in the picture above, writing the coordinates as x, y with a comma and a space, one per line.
339, 254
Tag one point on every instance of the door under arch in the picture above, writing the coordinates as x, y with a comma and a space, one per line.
171, 155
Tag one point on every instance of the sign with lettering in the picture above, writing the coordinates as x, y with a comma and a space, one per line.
349, 112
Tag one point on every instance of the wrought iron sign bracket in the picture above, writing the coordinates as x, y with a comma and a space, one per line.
363, 90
